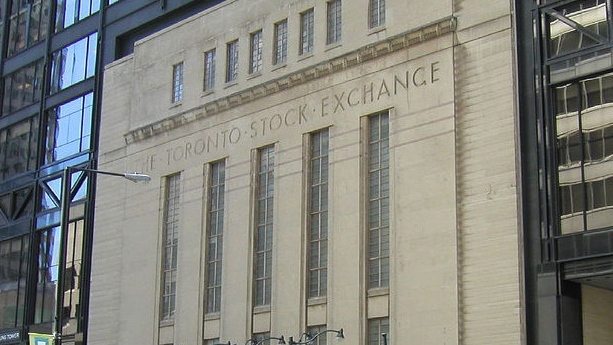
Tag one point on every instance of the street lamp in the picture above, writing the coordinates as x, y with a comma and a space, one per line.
66, 198
384, 336
260, 342
310, 339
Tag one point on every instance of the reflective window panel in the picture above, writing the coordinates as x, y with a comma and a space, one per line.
74, 63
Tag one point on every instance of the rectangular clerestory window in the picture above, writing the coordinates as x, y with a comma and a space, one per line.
255, 59
170, 245
376, 13
307, 31
280, 46
214, 233
177, 82
209, 70
334, 22
317, 222
378, 208
232, 61
263, 239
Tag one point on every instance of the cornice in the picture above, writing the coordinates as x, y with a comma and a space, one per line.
342, 62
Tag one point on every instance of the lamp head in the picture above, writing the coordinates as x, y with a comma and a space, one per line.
137, 177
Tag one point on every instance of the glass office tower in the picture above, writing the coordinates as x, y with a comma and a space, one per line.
566, 122
52, 57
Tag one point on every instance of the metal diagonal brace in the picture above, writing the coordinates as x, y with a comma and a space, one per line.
573, 24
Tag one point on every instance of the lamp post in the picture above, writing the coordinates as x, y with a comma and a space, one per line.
65, 201
308, 339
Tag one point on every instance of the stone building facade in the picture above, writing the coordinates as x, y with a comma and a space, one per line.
316, 165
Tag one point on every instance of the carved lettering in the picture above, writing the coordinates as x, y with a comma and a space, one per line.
350, 97
383, 90
275, 122
368, 90
418, 78
235, 135
433, 71
398, 81
324, 106
288, 116
339, 103
302, 112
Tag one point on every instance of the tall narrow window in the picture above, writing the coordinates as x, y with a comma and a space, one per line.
177, 82
217, 180
256, 52
307, 31
280, 55
378, 201
170, 246
318, 214
334, 22
376, 13
313, 331
264, 193
378, 329
209, 70
232, 61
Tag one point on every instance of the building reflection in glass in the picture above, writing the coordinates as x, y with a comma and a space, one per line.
48, 266
584, 131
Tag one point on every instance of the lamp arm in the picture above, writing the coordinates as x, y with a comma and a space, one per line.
255, 342
309, 340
